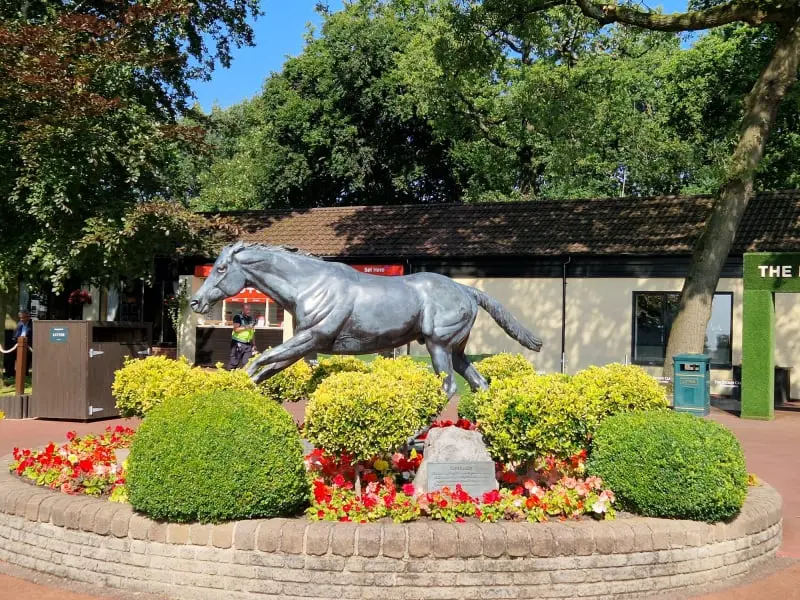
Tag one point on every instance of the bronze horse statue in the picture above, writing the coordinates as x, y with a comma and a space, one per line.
338, 310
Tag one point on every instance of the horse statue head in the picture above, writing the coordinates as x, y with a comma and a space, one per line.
226, 279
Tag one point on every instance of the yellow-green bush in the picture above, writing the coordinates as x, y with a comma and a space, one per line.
503, 366
290, 385
142, 384
531, 416
330, 365
366, 414
616, 388
423, 388
499, 366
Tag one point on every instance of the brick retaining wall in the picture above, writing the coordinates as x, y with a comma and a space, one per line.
109, 544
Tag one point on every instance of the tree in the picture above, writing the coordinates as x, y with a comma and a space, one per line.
760, 106
335, 126
90, 93
548, 105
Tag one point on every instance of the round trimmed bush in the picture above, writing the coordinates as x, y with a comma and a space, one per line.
523, 418
503, 366
217, 456
492, 368
289, 385
616, 388
667, 464
142, 384
334, 364
367, 414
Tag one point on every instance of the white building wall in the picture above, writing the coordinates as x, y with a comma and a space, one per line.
599, 322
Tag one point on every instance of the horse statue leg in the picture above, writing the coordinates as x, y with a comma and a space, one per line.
442, 360
289, 352
468, 371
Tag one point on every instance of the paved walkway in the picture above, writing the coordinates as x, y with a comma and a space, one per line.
771, 448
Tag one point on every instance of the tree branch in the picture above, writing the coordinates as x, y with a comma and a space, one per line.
743, 11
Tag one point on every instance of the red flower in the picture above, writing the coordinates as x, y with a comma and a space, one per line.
491, 497
408, 489
321, 514
85, 465
443, 503
460, 520
71, 435
338, 481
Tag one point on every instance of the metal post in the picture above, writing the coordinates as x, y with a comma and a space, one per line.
22, 364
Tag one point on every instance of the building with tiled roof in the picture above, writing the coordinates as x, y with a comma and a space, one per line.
601, 275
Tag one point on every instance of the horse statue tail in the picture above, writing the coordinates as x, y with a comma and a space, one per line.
506, 320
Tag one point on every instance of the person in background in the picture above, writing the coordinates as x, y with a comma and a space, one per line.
242, 339
24, 329
260, 322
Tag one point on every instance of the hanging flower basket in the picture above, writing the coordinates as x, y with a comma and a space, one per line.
79, 297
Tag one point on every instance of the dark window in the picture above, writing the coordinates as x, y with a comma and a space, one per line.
653, 313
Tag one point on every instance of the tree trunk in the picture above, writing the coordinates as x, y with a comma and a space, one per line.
712, 249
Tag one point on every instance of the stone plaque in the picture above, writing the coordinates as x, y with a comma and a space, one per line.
476, 478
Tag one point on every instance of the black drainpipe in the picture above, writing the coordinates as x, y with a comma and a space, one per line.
564, 315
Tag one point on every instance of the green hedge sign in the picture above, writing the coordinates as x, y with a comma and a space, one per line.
765, 273
772, 271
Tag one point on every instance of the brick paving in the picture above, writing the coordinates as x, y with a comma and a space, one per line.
769, 447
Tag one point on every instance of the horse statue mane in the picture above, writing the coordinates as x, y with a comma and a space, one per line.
338, 310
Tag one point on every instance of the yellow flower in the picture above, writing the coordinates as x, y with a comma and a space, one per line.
413, 454
381, 465
72, 458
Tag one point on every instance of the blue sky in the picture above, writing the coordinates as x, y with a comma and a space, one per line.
279, 33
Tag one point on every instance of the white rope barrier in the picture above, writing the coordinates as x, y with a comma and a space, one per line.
8, 351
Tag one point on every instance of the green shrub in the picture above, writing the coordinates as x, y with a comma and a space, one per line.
527, 417
616, 388
667, 464
217, 456
499, 366
421, 386
330, 365
289, 385
503, 366
366, 414
142, 384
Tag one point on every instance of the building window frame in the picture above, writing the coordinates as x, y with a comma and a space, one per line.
664, 294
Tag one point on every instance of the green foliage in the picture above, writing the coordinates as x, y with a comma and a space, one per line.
327, 366
422, 387
334, 126
90, 92
523, 418
217, 456
529, 416
290, 385
666, 464
615, 388
499, 366
142, 384
503, 366
366, 414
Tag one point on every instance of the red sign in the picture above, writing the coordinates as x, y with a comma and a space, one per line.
386, 270
203, 270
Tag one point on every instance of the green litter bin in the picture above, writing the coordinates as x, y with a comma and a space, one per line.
692, 383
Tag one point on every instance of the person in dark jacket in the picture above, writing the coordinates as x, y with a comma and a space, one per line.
24, 329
